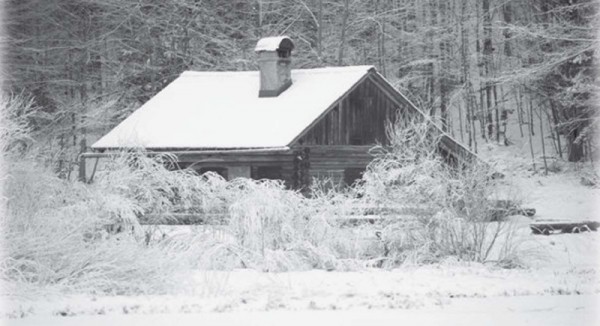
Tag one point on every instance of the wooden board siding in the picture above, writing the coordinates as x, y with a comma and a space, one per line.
357, 119
326, 161
332, 161
235, 161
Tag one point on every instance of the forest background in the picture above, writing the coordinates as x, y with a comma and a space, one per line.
472, 65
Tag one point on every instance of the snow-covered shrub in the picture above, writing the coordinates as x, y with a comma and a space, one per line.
276, 229
442, 210
54, 231
55, 236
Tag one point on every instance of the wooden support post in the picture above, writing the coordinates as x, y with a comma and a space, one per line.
81, 162
301, 170
93, 171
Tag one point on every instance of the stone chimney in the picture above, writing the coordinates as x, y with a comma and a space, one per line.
274, 62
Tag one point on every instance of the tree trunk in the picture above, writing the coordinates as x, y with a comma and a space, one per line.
575, 148
551, 129
487, 62
555, 128
530, 134
460, 123
469, 95
320, 31
507, 13
543, 142
480, 68
520, 116
343, 33
497, 111
531, 130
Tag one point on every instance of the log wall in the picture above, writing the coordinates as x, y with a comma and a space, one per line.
332, 162
325, 162
256, 164
357, 119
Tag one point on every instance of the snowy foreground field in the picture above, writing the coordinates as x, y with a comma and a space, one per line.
558, 285
531, 310
450, 293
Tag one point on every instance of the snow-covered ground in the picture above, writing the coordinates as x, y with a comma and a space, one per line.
558, 195
421, 290
530, 310
561, 196
460, 291
558, 286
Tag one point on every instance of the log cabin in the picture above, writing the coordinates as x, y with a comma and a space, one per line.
275, 123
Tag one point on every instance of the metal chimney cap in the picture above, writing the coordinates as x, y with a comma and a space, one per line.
274, 43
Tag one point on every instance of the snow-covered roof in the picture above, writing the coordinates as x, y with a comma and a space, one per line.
222, 110
270, 43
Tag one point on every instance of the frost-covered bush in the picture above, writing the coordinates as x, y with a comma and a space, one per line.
54, 231
56, 235
443, 210
269, 227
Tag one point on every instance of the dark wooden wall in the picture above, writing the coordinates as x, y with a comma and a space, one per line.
325, 162
332, 162
260, 164
357, 119
339, 141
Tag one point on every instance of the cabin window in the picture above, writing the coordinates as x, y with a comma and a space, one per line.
351, 175
218, 170
267, 172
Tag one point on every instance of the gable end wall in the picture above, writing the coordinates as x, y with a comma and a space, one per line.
340, 140
359, 118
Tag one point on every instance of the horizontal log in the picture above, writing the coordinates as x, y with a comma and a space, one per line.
549, 227
221, 219
336, 167
184, 219
355, 212
334, 147
215, 158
